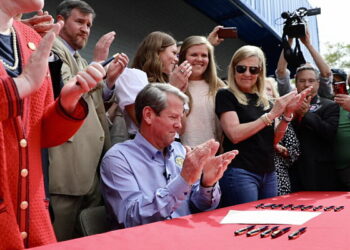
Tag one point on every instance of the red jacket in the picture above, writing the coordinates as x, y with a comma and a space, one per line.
26, 126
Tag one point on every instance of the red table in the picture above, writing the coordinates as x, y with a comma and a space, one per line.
330, 230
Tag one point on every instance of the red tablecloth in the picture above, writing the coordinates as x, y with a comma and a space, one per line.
330, 230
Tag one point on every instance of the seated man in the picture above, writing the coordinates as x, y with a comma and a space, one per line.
153, 178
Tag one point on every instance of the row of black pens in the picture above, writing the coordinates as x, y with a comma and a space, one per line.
301, 207
265, 231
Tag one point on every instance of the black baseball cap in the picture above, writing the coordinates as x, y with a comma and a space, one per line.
340, 72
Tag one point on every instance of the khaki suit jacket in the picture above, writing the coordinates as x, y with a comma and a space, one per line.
73, 165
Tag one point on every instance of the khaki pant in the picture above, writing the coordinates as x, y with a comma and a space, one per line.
67, 208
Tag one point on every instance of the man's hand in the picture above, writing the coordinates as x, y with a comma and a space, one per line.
196, 159
213, 37
179, 77
42, 22
101, 50
306, 40
115, 69
35, 70
87, 79
297, 101
343, 100
215, 167
303, 108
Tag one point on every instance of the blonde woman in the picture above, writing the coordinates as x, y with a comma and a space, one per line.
247, 118
200, 124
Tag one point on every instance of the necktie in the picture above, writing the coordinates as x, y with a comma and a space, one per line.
79, 61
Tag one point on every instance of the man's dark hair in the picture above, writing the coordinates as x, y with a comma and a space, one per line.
64, 8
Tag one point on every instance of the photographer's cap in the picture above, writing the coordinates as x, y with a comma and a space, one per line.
340, 72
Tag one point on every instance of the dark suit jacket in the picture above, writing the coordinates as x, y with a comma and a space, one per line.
315, 169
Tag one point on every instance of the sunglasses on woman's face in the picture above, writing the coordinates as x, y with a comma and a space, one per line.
252, 69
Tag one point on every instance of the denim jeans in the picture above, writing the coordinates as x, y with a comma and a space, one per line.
241, 186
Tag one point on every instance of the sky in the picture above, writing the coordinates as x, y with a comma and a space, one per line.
333, 21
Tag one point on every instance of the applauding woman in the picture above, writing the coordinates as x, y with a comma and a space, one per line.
247, 119
200, 124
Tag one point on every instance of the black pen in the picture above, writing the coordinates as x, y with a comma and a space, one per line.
297, 206
276, 206
244, 229
317, 208
337, 209
287, 206
256, 231
328, 208
297, 233
280, 232
104, 63
260, 205
268, 232
306, 207
268, 205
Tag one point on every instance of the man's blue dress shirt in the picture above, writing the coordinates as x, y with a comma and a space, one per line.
140, 185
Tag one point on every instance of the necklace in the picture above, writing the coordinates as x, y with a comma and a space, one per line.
15, 52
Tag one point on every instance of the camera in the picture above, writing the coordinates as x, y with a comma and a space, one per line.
295, 25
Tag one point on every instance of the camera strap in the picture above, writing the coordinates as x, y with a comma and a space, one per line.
294, 57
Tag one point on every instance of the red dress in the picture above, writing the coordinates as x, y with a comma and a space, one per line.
26, 126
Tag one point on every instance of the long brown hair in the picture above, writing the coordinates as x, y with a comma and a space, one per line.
147, 55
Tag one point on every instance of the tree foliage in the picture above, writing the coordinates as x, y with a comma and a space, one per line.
337, 55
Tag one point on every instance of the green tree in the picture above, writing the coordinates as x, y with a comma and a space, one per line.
337, 55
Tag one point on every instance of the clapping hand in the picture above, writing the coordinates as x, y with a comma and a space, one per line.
35, 70
179, 76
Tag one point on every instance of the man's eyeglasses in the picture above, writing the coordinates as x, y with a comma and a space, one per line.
252, 69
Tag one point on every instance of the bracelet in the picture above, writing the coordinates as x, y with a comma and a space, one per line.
265, 118
287, 119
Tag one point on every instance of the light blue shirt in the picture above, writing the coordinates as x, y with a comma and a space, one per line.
141, 186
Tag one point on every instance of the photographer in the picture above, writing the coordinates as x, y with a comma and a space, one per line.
283, 74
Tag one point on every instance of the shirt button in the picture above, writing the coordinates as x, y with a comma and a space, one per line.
24, 235
23, 143
185, 193
102, 138
24, 172
24, 205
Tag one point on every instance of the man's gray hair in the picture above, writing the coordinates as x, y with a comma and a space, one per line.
307, 67
154, 95
65, 8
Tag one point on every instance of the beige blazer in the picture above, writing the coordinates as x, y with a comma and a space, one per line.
73, 165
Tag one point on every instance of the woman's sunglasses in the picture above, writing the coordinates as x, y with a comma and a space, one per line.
252, 70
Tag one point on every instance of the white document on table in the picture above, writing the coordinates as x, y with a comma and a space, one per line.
268, 217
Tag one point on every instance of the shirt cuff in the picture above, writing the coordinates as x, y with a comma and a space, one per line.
209, 192
107, 92
179, 188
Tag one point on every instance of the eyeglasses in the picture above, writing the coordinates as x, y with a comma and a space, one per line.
252, 69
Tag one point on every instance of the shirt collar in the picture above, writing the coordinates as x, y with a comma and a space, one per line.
71, 50
148, 147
